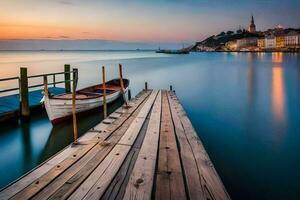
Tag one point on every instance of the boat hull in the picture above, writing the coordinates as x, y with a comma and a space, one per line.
60, 109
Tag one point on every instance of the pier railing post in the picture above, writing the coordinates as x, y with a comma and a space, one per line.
67, 78
146, 86
104, 93
171, 88
24, 100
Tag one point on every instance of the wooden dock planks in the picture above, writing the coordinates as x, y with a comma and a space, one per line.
211, 184
141, 180
169, 175
94, 186
147, 151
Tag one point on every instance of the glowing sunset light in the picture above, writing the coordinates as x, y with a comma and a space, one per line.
158, 20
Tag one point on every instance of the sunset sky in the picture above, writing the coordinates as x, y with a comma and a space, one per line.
133, 20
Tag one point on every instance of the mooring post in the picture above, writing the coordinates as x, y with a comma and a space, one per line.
146, 86
171, 88
122, 84
104, 93
24, 100
75, 77
75, 130
46, 92
67, 78
129, 94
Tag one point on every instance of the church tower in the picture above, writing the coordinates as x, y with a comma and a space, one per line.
252, 27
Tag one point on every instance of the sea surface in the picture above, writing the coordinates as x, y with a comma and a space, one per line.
244, 106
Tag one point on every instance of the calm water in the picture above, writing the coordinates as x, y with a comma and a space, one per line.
245, 108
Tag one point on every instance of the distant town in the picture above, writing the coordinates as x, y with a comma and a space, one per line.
276, 39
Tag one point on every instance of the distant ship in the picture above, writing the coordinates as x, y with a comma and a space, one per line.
180, 51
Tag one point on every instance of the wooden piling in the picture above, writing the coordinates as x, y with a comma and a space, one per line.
46, 92
122, 84
75, 77
24, 101
104, 93
146, 86
171, 88
67, 78
75, 130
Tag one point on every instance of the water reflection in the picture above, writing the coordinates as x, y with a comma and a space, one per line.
27, 145
277, 57
278, 92
278, 99
251, 75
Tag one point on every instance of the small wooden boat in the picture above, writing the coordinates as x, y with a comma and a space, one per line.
59, 107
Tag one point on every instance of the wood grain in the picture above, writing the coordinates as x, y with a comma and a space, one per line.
118, 185
211, 183
141, 179
94, 186
169, 176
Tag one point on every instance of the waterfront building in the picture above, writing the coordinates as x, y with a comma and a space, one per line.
246, 42
252, 27
231, 46
280, 41
292, 39
270, 42
261, 42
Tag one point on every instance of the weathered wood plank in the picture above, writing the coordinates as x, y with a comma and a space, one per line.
210, 181
192, 176
94, 186
114, 115
169, 178
118, 185
101, 177
46, 192
44, 180
45, 167
67, 186
138, 122
141, 179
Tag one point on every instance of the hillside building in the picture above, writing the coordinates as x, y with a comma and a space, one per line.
270, 42
280, 41
292, 39
246, 42
261, 42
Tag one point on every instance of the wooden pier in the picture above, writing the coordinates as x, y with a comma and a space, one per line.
147, 150
22, 103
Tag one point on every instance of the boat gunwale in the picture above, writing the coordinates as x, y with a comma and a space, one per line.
109, 87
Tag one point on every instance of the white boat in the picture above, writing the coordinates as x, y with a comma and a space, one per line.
59, 107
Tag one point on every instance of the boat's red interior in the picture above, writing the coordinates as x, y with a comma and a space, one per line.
94, 91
